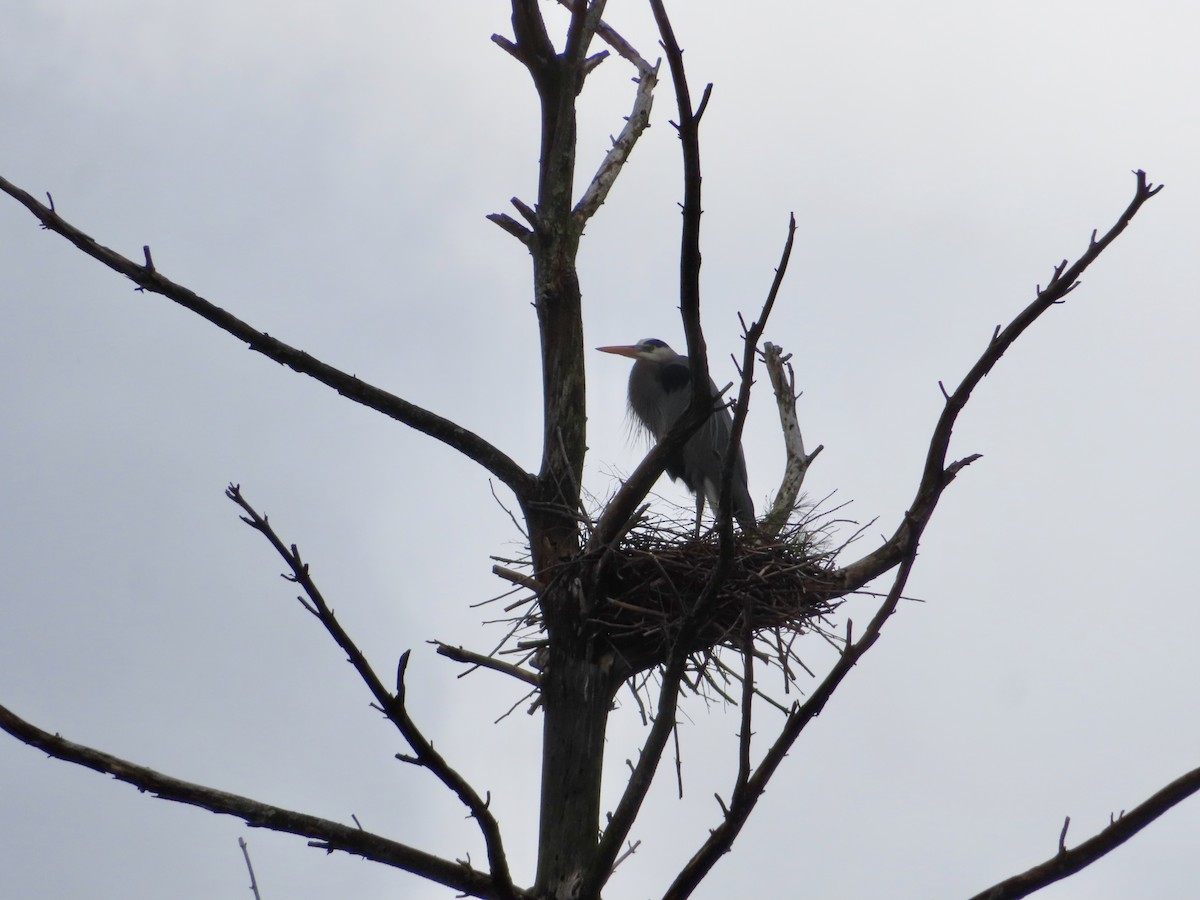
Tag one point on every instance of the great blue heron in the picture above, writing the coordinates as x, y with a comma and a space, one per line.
660, 388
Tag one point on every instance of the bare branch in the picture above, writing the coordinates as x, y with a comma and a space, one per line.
796, 467
585, 18
250, 866
392, 704
513, 227
609, 35
631, 494
458, 654
937, 476
324, 834
610, 168
1067, 862
147, 278
742, 803
518, 578
636, 487
534, 48
593, 62
746, 733
689, 255
528, 213
901, 549
508, 47
622, 510
742, 406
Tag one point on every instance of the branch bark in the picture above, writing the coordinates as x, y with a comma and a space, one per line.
784, 387
1122, 828
937, 475
324, 834
148, 278
749, 354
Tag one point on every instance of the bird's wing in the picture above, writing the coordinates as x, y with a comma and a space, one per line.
659, 393
676, 378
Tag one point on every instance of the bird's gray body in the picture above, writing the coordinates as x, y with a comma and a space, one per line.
660, 389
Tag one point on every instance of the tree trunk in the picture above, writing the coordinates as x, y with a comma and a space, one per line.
576, 699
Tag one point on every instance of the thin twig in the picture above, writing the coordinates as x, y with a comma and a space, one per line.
250, 867
742, 406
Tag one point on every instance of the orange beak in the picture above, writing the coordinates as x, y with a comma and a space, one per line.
630, 351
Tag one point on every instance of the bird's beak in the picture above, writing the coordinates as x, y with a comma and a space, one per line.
630, 351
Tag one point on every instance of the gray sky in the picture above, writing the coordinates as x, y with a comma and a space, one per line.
325, 175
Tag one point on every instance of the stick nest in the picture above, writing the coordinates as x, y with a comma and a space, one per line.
649, 583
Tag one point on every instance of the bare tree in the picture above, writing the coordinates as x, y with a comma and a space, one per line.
615, 597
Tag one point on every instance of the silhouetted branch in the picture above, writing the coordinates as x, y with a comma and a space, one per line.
1122, 827
937, 474
392, 705
750, 341
147, 278
458, 654
513, 227
900, 549
323, 833
533, 46
638, 484
742, 803
585, 18
688, 127
746, 733
609, 35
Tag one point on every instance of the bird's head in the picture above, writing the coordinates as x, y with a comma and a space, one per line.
650, 349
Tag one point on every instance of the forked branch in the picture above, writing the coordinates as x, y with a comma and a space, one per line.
609, 35
783, 385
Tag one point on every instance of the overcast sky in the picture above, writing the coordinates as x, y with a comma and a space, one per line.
323, 171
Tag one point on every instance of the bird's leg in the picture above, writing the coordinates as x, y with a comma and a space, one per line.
699, 513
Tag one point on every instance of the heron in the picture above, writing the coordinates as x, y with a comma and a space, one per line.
660, 389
